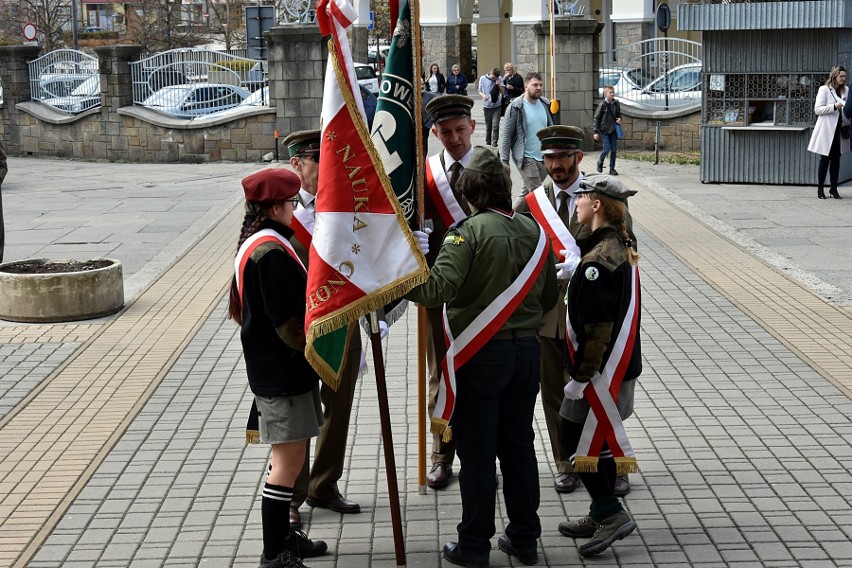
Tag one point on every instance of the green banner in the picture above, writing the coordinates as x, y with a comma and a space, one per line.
393, 125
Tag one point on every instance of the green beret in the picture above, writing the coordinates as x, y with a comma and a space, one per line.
484, 161
555, 139
607, 185
302, 142
449, 106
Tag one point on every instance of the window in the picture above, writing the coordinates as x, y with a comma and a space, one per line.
768, 99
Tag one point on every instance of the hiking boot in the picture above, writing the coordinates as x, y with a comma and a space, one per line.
584, 528
600, 168
283, 560
527, 557
613, 528
300, 545
612, 172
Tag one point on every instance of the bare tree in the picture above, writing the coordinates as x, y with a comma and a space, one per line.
227, 18
50, 16
159, 25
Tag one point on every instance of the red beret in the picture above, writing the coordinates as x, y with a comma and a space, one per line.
271, 184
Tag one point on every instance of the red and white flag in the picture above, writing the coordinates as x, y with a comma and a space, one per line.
363, 254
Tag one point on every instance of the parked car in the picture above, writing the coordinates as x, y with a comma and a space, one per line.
198, 99
93, 29
623, 80
678, 88
87, 95
53, 85
366, 76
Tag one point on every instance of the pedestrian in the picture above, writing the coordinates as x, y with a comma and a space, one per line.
525, 116
457, 82
495, 275
4, 169
491, 90
826, 139
607, 125
554, 206
445, 207
435, 83
604, 360
512, 81
317, 483
267, 300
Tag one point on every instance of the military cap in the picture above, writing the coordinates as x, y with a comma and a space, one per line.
484, 161
558, 138
271, 184
303, 142
607, 185
449, 106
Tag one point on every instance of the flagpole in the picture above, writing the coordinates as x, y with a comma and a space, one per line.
420, 177
387, 440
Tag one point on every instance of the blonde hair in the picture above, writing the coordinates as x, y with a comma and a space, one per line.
832, 79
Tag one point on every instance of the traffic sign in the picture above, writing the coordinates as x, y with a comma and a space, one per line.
30, 31
372, 24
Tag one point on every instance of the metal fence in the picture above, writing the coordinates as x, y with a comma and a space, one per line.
655, 74
193, 82
66, 79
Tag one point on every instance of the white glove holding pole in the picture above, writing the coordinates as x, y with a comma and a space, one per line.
574, 389
383, 329
423, 239
564, 270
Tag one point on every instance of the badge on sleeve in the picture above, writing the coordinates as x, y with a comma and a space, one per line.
592, 273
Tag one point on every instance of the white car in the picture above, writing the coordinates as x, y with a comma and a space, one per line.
366, 76
679, 88
196, 99
87, 95
623, 80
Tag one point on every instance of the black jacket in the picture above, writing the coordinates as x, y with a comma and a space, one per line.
442, 83
605, 116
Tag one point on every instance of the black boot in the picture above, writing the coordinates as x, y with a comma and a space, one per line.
833, 193
820, 193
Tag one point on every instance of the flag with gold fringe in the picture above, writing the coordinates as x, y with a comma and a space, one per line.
363, 254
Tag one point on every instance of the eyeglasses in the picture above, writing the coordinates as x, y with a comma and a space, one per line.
294, 201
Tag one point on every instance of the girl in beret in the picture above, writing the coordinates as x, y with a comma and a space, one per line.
267, 299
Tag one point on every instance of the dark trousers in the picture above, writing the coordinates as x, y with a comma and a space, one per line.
610, 146
493, 418
492, 125
599, 484
830, 164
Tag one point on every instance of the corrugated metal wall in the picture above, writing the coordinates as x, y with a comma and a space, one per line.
812, 14
771, 51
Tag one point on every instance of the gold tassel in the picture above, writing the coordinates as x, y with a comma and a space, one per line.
252, 437
442, 428
586, 464
626, 465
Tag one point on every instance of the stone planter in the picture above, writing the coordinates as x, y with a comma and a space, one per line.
42, 290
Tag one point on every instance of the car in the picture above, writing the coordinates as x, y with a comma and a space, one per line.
93, 29
678, 88
85, 96
366, 76
196, 99
623, 80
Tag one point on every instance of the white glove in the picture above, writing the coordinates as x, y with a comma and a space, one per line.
574, 390
564, 270
423, 239
383, 329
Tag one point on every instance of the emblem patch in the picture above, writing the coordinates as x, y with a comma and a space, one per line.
592, 273
453, 240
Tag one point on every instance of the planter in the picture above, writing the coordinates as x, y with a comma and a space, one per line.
43, 290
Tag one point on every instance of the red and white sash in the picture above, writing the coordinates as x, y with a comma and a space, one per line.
604, 423
303, 225
249, 246
441, 193
544, 212
479, 332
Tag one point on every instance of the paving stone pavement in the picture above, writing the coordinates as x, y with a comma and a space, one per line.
742, 423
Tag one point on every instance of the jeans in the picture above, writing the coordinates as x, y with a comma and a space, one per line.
492, 125
610, 146
493, 419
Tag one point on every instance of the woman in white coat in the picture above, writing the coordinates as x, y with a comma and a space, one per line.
826, 140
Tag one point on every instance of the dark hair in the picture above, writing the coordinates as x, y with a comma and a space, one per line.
532, 75
256, 215
486, 190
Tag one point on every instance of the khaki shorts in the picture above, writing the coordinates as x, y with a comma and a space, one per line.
289, 418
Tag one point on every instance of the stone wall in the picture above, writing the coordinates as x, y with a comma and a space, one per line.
677, 133
447, 46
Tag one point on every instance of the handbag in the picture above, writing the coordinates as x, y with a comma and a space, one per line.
495, 92
619, 132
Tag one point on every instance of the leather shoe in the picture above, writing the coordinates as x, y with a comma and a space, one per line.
295, 518
339, 504
440, 475
622, 486
527, 557
454, 555
566, 482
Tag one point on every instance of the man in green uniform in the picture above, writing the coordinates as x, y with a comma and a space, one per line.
496, 275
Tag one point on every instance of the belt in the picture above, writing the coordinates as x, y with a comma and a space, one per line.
515, 333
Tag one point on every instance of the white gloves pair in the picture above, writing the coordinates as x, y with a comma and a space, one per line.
574, 389
423, 239
564, 270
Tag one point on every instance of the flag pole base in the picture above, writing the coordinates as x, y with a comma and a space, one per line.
421, 490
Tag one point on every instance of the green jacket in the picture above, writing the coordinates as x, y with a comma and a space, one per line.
479, 259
